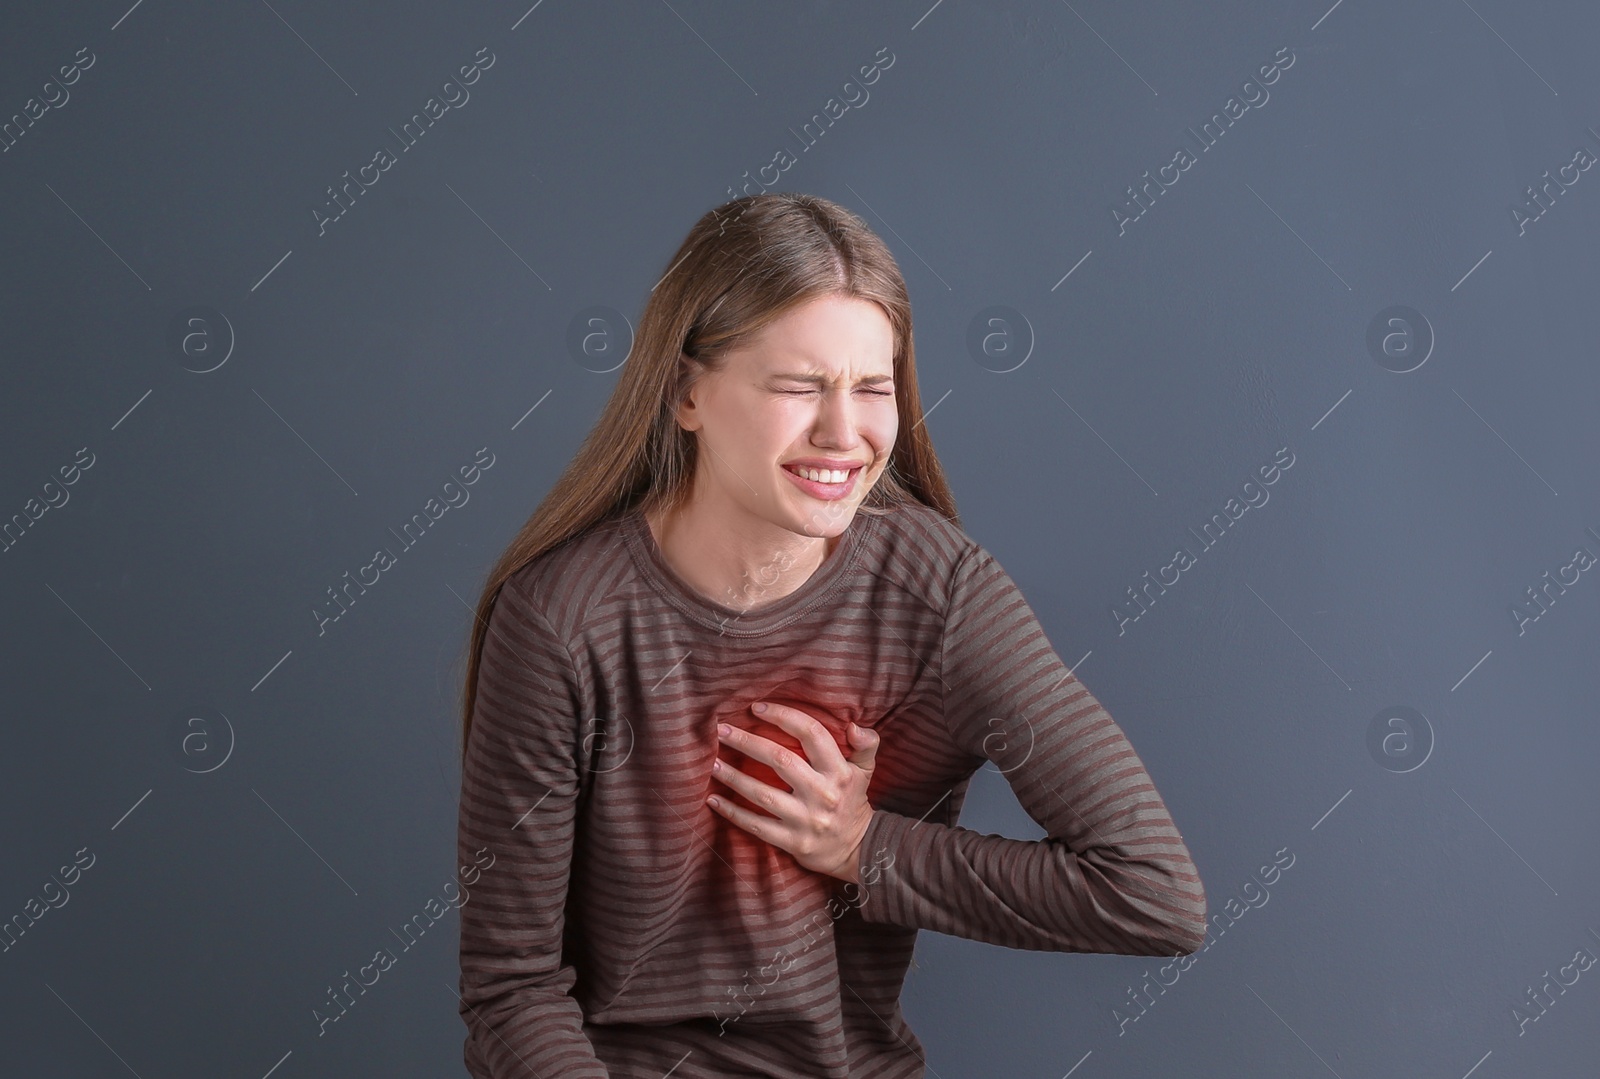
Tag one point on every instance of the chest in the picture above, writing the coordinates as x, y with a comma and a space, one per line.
662, 687
672, 880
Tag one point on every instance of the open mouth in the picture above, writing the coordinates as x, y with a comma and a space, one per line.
822, 482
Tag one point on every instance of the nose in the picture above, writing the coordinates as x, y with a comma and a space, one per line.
835, 427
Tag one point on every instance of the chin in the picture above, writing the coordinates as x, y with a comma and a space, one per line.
827, 521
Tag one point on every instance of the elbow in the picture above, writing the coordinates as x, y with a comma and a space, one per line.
1176, 923
1175, 933
1162, 908
1188, 936
1185, 926
1184, 931
1170, 926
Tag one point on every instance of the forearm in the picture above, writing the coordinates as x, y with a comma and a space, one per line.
532, 1035
1139, 896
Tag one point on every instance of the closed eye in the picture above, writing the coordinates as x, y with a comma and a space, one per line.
874, 393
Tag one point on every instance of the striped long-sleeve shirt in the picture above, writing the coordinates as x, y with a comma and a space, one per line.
626, 929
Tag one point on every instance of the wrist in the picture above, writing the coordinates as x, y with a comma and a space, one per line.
850, 869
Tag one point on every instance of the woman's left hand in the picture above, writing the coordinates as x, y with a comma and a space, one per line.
823, 821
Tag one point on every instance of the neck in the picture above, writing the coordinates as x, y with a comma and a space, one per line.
734, 558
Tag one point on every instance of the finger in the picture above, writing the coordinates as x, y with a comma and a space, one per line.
757, 825
780, 804
820, 745
787, 764
865, 741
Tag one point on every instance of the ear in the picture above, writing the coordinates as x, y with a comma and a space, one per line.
685, 412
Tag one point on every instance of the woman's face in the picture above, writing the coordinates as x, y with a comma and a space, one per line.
814, 388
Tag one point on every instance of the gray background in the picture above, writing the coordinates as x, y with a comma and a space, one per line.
312, 806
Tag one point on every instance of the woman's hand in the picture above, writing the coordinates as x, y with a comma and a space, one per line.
823, 821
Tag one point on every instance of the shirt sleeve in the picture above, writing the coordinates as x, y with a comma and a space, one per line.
519, 784
1112, 874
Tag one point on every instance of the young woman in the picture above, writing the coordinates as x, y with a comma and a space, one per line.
680, 880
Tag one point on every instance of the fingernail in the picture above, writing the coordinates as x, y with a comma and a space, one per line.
724, 730
759, 706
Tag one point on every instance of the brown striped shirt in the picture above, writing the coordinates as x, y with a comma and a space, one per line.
626, 929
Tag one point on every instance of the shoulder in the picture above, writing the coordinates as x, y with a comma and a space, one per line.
918, 549
564, 583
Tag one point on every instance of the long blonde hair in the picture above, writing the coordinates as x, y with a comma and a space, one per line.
744, 264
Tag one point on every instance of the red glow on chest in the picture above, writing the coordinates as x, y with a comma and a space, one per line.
758, 769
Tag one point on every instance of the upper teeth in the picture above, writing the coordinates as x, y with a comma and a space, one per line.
823, 475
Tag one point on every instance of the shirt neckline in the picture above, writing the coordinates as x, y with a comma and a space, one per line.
822, 583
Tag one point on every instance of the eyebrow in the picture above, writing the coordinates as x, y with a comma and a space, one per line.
823, 380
